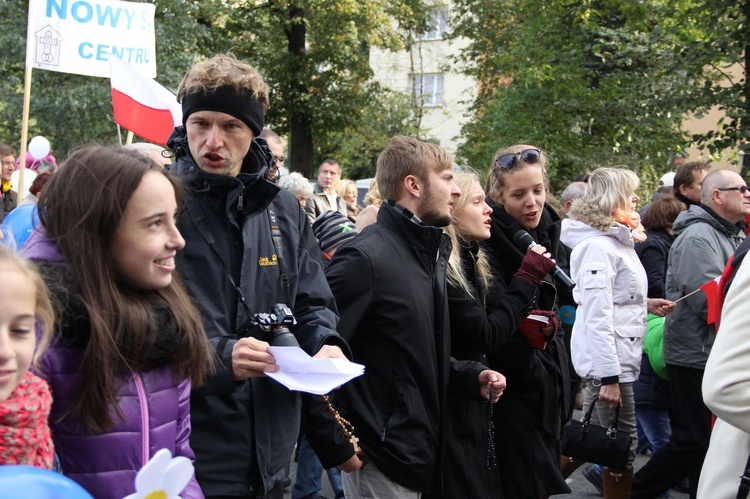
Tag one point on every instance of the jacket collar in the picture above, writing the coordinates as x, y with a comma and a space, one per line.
703, 214
687, 202
40, 246
319, 192
504, 227
424, 237
257, 192
732, 228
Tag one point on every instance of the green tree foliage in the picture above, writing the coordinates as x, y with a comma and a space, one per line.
713, 52
582, 80
357, 147
313, 53
315, 56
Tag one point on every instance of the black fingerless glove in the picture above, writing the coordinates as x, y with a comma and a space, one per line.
534, 267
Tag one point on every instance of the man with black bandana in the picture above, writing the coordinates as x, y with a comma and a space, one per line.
249, 246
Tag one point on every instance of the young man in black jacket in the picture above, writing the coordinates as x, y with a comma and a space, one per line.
389, 284
248, 246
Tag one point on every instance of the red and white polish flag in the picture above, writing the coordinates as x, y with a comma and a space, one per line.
141, 105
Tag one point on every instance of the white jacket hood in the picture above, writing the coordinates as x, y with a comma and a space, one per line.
574, 232
586, 222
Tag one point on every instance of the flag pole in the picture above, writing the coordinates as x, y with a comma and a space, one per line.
24, 126
119, 134
689, 294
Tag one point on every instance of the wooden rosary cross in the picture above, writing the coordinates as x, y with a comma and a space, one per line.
353, 439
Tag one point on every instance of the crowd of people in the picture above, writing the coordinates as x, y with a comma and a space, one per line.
484, 314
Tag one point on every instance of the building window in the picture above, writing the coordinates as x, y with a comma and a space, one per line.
428, 87
437, 25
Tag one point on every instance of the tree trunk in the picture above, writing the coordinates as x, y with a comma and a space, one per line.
300, 121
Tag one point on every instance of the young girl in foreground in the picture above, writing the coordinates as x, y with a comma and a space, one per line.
128, 342
25, 399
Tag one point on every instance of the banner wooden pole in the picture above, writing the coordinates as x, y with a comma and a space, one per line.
129, 139
24, 128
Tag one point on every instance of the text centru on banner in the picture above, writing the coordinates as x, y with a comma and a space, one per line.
81, 36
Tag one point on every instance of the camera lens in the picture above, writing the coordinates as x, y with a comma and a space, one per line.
282, 337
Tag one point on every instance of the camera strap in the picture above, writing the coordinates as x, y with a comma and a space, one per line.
200, 221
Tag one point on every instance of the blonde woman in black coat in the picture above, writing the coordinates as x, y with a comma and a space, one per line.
477, 328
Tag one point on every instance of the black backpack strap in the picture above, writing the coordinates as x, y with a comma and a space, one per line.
279, 245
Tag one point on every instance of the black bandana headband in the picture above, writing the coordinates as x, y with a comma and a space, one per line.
226, 99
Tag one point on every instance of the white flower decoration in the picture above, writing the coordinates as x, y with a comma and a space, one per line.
162, 477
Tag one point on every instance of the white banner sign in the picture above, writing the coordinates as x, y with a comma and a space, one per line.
80, 36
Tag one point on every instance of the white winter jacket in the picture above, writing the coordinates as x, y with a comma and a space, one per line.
611, 290
726, 391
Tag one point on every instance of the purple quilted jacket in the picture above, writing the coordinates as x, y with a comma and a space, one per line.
156, 410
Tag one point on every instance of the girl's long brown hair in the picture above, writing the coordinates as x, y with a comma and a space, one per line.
81, 209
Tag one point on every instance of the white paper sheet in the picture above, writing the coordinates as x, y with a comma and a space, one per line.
298, 371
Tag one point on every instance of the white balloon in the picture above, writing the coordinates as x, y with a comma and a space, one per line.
39, 147
28, 178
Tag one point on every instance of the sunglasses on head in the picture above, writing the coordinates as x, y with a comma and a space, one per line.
510, 160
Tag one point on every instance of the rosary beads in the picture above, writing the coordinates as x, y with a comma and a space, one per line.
491, 457
346, 426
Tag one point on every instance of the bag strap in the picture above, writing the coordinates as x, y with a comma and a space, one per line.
587, 416
744, 488
615, 420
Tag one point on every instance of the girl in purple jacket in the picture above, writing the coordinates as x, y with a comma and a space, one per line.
128, 341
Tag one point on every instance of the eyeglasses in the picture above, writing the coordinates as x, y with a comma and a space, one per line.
742, 189
510, 160
279, 159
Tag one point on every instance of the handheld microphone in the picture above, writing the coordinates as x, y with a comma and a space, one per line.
524, 242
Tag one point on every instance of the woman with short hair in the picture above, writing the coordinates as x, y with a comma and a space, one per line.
611, 293
297, 185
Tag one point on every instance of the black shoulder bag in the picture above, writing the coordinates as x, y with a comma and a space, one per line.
595, 444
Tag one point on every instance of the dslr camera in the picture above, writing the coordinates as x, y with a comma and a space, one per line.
275, 326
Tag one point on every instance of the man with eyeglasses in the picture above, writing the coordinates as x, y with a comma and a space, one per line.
707, 234
277, 149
